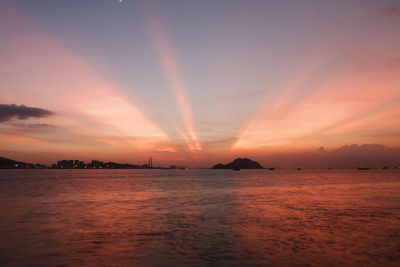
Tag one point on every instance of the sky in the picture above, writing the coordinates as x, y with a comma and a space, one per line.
194, 83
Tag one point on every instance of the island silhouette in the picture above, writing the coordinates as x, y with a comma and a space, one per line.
239, 163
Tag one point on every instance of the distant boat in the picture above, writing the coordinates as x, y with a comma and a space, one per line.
299, 169
236, 169
363, 168
271, 169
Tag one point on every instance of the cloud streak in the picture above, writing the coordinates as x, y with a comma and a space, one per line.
22, 112
392, 12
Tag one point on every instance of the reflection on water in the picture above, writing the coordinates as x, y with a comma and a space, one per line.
199, 217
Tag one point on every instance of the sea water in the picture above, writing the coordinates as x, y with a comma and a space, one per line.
199, 217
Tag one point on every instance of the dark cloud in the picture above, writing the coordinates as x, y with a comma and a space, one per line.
349, 156
40, 125
361, 148
392, 12
370, 155
31, 125
8, 112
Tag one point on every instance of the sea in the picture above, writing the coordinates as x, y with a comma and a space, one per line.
203, 217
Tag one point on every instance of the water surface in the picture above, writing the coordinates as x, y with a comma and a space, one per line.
199, 217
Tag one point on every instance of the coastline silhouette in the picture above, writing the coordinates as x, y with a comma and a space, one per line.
6, 163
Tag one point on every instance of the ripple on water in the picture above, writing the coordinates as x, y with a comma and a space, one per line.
199, 217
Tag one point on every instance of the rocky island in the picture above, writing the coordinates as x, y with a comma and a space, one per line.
239, 163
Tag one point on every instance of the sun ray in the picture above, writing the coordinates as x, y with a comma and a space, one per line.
170, 65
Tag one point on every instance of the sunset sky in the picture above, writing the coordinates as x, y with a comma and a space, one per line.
287, 83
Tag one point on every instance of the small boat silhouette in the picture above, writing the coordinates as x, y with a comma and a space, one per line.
236, 168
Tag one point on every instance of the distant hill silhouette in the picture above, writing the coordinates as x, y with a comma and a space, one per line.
6, 163
239, 163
